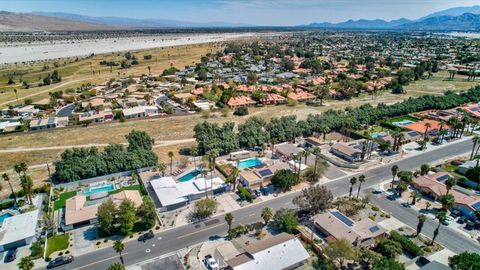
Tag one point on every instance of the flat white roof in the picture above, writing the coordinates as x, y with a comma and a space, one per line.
170, 192
18, 227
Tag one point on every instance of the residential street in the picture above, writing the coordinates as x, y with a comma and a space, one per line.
188, 235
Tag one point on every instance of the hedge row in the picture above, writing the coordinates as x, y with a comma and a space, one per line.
407, 244
245, 194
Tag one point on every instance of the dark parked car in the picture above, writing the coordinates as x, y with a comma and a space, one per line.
421, 261
60, 261
455, 213
470, 225
406, 205
11, 255
392, 197
146, 236
462, 220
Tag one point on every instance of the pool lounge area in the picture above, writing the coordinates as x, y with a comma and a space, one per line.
189, 176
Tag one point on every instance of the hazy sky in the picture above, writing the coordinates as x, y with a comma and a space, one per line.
258, 12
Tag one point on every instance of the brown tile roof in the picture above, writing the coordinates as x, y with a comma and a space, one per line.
269, 242
345, 149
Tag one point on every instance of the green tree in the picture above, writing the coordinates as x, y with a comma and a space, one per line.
126, 216
387, 263
424, 169
229, 220
447, 201
119, 247
394, 173
139, 140
285, 179
441, 216
401, 187
106, 218
252, 133
421, 221
146, 213
314, 199
162, 168
26, 263
361, 179
285, 220
170, 156
450, 183
313, 174
465, 261
388, 248
341, 250
6, 178
205, 208
26, 183
267, 214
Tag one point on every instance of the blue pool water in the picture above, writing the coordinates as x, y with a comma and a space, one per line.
374, 135
93, 190
189, 176
247, 163
4, 216
402, 123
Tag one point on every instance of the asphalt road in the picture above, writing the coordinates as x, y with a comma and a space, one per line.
188, 235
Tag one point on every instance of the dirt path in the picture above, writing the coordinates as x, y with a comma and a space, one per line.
157, 144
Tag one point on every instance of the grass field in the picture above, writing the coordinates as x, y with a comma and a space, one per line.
56, 243
75, 73
60, 202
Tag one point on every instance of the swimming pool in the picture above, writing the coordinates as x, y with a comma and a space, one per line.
4, 216
96, 189
250, 162
374, 135
189, 176
402, 123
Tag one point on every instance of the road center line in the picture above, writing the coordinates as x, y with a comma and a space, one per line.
195, 232
93, 263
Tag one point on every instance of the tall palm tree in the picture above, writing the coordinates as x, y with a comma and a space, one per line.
394, 173
441, 216
170, 155
305, 154
449, 183
119, 246
415, 196
361, 179
475, 140
194, 153
212, 156
267, 214
6, 178
229, 220
162, 168
421, 221
26, 183
427, 127
353, 181
234, 177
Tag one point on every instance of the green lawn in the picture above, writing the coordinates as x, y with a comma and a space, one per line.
56, 243
60, 202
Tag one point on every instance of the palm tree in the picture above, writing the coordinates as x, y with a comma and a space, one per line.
6, 178
170, 155
441, 216
234, 177
305, 154
212, 155
353, 181
194, 153
394, 173
162, 168
475, 140
267, 214
361, 179
119, 246
424, 169
415, 196
229, 220
26, 263
204, 174
449, 183
427, 127
447, 201
421, 222
26, 183
16, 94
427, 205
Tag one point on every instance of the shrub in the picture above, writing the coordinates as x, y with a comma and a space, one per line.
407, 244
245, 194
36, 250
5, 204
241, 111
375, 208
427, 249
47, 259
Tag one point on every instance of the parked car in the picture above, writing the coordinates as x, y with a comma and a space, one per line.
377, 190
62, 260
146, 236
470, 225
210, 262
455, 213
447, 220
462, 220
392, 197
11, 255
422, 261
406, 205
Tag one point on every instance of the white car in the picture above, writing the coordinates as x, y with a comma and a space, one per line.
447, 220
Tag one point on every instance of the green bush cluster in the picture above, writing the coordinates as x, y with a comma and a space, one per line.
245, 194
5, 204
407, 244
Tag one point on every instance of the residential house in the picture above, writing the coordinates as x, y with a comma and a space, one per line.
346, 151
301, 96
8, 126
272, 98
421, 127
95, 117
134, 112
18, 230
240, 101
335, 225
49, 122
279, 252
287, 150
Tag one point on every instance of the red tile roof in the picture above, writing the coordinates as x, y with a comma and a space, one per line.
240, 101
420, 126
300, 95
